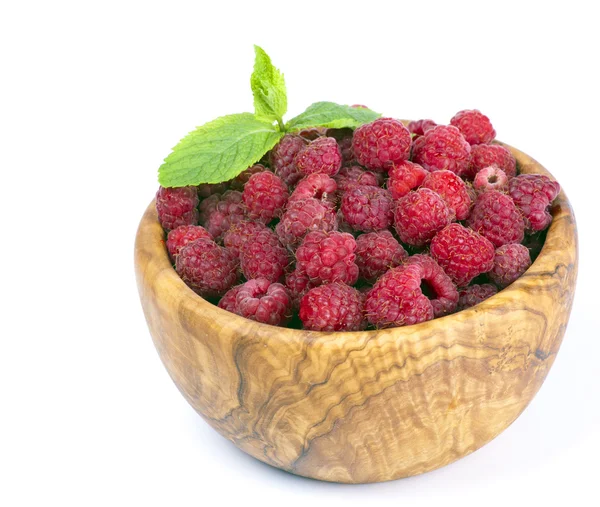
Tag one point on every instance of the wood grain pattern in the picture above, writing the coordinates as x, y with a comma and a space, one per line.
366, 406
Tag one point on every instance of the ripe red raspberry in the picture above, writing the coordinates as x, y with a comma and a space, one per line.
207, 268
405, 177
207, 189
475, 294
486, 155
436, 285
419, 215
241, 179
491, 178
380, 144
241, 232
414, 292
184, 234
354, 175
396, 299
496, 217
328, 257
419, 127
282, 159
177, 206
376, 252
533, 194
322, 155
265, 196
368, 208
452, 189
510, 262
317, 185
227, 302
303, 216
298, 284
443, 147
333, 307
219, 211
462, 253
261, 258
475, 126
259, 300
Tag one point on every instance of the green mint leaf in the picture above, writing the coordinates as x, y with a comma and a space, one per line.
331, 115
218, 150
268, 87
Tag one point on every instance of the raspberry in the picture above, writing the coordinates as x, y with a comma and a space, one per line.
462, 253
368, 208
405, 177
265, 196
227, 302
241, 179
282, 159
322, 155
184, 234
241, 232
333, 307
207, 268
328, 257
312, 133
475, 126
380, 144
419, 215
496, 217
354, 175
219, 211
261, 258
376, 252
475, 294
419, 127
491, 178
177, 206
443, 147
259, 300
436, 285
452, 189
533, 194
510, 262
207, 189
303, 216
320, 186
396, 299
298, 283
485, 155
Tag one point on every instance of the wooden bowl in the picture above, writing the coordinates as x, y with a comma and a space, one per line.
364, 406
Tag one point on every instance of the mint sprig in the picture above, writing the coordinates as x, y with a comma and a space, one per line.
331, 115
221, 149
268, 88
218, 151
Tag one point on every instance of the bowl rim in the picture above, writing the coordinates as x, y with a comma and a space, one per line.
151, 237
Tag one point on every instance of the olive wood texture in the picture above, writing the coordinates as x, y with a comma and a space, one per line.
363, 406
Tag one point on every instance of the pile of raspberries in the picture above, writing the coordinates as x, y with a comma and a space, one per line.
339, 230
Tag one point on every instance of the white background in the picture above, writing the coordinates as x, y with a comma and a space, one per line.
94, 95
